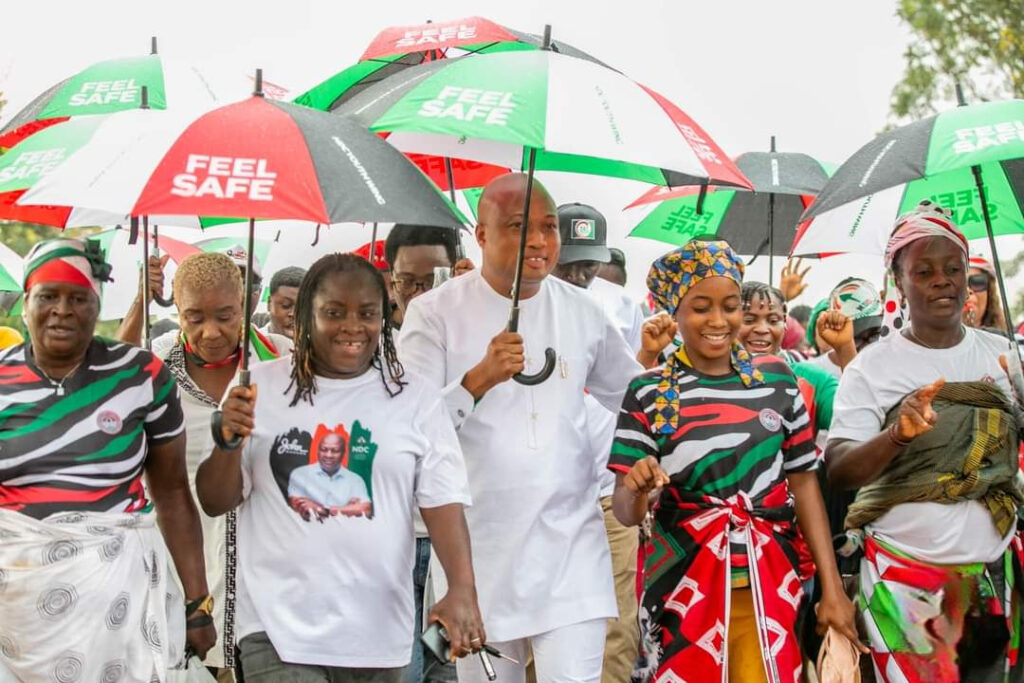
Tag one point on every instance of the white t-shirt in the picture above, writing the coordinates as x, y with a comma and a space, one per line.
627, 315
825, 362
540, 551
878, 379
339, 592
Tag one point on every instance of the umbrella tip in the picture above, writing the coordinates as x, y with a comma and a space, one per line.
773, 143
144, 101
547, 37
960, 99
258, 92
152, 45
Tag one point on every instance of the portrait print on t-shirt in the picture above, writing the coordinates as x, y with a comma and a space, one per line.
328, 473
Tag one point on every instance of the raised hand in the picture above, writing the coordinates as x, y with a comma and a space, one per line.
916, 416
835, 328
791, 280
156, 277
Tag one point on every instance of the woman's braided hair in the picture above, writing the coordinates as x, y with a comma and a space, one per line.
303, 376
762, 292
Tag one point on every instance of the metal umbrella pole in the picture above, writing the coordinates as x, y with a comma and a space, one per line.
771, 230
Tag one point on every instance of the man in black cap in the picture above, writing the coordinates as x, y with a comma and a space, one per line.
584, 233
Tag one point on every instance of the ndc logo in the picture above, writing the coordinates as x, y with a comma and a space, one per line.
584, 229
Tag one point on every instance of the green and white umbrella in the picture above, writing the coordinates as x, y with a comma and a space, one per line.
116, 85
969, 160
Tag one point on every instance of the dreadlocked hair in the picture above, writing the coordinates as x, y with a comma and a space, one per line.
303, 376
762, 292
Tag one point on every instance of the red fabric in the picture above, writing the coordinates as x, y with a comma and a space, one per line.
57, 216
378, 255
257, 143
465, 173
401, 40
58, 270
11, 138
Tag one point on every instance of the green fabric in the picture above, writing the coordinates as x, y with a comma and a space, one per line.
970, 454
676, 221
812, 322
977, 134
323, 95
825, 387
39, 154
110, 86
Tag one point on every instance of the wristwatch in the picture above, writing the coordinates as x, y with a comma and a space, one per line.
202, 605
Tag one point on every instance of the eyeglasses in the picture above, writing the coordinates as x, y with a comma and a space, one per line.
978, 282
407, 285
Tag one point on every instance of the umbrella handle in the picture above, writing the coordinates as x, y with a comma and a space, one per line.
161, 301
217, 422
545, 372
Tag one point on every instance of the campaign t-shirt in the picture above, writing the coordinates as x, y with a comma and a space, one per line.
325, 536
878, 379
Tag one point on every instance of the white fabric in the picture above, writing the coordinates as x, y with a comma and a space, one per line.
161, 345
339, 592
825, 362
628, 317
84, 597
539, 546
570, 654
858, 227
878, 379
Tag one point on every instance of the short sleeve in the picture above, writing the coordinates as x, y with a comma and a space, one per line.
440, 470
165, 420
798, 450
856, 415
633, 440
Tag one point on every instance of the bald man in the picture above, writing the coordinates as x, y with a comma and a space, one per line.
540, 552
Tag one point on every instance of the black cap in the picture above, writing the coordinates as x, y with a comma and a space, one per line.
584, 233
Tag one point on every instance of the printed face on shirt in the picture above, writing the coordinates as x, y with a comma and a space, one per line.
709, 319
211, 318
347, 320
281, 307
932, 275
326, 472
764, 325
61, 318
499, 228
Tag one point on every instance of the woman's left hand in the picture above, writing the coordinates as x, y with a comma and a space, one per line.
459, 613
839, 612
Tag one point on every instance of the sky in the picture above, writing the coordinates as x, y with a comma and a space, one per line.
817, 74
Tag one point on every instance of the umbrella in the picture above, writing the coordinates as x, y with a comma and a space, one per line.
10, 270
512, 109
255, 158
969, 160
116, 85
784, 184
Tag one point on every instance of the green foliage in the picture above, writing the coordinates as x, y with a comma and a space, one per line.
979, 43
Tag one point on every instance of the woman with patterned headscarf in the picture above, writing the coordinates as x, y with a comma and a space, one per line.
984, 308
83, 571
729, 439
924, 426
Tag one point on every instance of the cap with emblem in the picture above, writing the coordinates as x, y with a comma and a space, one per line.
584, 233
237, 253
858, 300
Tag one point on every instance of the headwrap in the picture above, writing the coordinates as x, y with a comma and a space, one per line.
983, 264
78, 262
812, 322
669, 279
928, 219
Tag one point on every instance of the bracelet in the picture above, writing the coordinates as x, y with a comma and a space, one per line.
218, 436
894, 438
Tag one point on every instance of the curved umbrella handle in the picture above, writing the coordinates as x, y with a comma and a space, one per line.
161, 301
216, 421
545, 372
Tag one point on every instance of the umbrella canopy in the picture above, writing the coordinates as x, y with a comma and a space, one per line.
256, 158
577, 115
116, 85
929, 159
10, 270
784, 185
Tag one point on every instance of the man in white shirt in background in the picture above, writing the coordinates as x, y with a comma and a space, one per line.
584, 233
540, 550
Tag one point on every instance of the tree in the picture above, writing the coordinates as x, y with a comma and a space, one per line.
979, 43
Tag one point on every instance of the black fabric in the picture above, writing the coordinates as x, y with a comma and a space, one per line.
370, 104
891, 159
783, 172
362, 177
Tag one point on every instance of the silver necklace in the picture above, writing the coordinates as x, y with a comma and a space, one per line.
910, 333
59, 386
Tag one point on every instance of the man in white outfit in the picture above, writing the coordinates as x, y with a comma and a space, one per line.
539, 546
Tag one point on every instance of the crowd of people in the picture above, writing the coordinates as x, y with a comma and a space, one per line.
709, 486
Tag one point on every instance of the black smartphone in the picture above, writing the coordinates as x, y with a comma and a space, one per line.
435, 639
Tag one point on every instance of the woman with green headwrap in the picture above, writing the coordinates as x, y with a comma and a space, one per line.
728, 438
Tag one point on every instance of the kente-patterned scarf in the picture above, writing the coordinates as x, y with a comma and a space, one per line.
261, 345
669, 279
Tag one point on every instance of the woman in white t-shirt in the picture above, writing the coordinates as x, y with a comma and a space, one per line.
926, 546
339, 448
